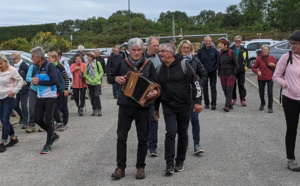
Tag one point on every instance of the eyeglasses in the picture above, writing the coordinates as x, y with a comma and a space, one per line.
185, 48
237, 41
294, 43
163, 51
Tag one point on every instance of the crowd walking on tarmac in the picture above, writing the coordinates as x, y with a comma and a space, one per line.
183, 75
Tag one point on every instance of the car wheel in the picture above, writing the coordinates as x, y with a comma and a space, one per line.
252, 61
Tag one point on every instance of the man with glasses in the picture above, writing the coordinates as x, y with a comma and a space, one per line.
243, 61
130, 110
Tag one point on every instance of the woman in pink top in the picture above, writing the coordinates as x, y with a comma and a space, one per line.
289, 67
79, 82
10, 84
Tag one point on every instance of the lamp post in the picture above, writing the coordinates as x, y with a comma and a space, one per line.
129, 19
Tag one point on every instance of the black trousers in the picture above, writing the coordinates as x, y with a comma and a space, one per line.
95, 96
291, 111
261, 85
125, 118
45, 106
240, 81
61, 107
212, 76
80, 97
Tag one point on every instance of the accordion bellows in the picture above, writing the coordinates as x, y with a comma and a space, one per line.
137, 87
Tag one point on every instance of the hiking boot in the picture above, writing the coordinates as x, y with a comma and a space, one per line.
198, 149
293, 165
25, 126
243, 103
261, 107
41, 130
140, 173
30, 129
95, 112
206, 107
179, 167
54, 138
233, 102
226, 109
270, 110
169, 170
119, 173
2, 147
153, 153
213, 107
12, 142
46, 149
81, 112
99, 113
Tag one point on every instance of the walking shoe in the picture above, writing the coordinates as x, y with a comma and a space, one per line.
46, 149
81, 112
140, 173
153, 153
25, 126
226, 109
99, 113
119, 173
95, 112
13, 114
198, 149
169, 170
261, 107
30, 129
12, 142
54, 138
20, 121
243, 103
41, 130
213, 107
57, 126
179, 167
293, 165
63, 128
233, 102
270, 110
206, 107
2, 147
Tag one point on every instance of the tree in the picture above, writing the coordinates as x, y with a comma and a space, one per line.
65, 27
181, 20
204, 17
50, 42
16, 44
253, 10
232, 17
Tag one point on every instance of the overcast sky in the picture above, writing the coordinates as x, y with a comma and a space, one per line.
24, 12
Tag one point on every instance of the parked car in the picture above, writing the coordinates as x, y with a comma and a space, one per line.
24, 56
277, 49
255, 44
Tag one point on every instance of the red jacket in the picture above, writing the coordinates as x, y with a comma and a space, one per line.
78, 82
266, 72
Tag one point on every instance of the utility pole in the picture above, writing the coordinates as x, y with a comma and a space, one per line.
173, 25
129, 19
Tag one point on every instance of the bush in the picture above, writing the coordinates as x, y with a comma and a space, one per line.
16, 44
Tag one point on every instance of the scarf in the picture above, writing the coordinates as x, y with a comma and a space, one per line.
135, 63
18, 64
91, 68
189, 57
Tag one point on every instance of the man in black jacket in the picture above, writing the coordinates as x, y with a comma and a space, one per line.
176, 80
243, 60
208, 55
130, 110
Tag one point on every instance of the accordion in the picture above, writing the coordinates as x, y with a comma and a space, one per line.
137, 87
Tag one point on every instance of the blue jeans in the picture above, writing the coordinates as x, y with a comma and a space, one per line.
195, 126
6, 106
153, 127
261, 85
23, 111
116, 88
176, 123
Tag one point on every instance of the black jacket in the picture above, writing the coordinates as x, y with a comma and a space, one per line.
102, 62
112, 62
121, 70
243, 58
227, 66
176, 84
199, 70
208, 58
23, 69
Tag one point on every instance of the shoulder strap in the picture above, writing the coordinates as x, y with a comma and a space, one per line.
183, 66
262, 57
98, 66
134, 68
230, 54
290, 59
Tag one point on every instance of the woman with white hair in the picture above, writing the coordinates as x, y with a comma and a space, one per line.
10, 84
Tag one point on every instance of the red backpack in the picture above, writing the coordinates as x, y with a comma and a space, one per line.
229, 52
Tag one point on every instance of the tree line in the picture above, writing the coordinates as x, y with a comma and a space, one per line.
273, 18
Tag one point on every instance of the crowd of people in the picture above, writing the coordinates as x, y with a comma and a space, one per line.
182, 74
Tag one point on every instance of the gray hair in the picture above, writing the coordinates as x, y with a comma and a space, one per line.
15, 55
39, 52
187, 42
265, 46
206, 37
80, 48
238, 37
3, 58
135, 42
149, 40
169, 47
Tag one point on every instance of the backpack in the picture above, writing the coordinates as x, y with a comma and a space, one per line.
290, 59
61, 82
87, 66
183, 67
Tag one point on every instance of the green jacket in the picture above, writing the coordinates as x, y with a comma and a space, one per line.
98, 76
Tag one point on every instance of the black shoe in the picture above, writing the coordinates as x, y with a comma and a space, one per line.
2, 148
261, 107
213, 107
12, 142
13, 114
169, 170
206, 107
179, 167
